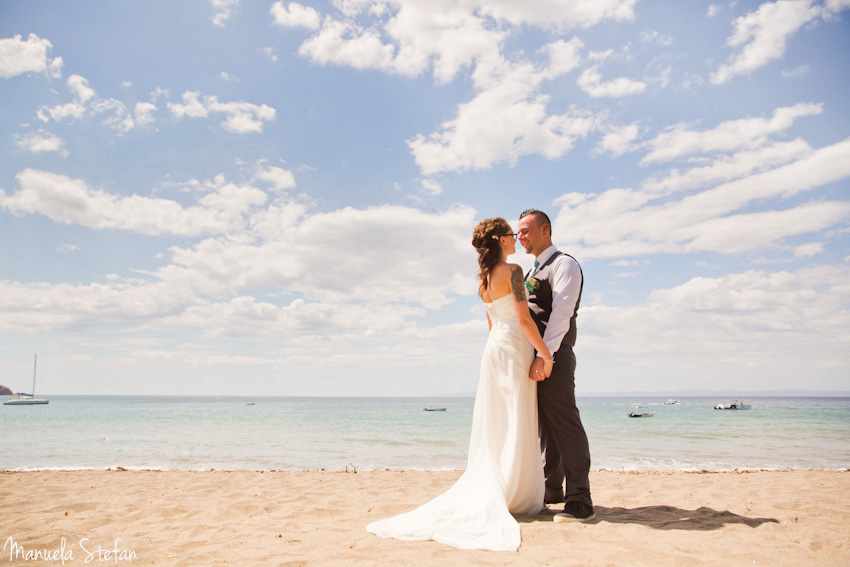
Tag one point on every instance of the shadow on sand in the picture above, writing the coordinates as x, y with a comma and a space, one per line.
661, 517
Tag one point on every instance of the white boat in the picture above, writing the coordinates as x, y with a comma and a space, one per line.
671, 402
736, 405
429, 408
641, 411
27, 399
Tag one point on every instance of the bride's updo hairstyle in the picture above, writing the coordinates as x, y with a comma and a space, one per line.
485, 239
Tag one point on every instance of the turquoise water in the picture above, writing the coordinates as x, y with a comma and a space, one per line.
202, 433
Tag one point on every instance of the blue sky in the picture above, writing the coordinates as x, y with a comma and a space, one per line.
277, 198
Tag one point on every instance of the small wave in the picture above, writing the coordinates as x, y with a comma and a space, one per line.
71, 468
390, 442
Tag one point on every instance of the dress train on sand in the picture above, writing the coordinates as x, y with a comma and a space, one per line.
504, 471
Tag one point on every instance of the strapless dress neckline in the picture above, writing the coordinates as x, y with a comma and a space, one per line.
497, 299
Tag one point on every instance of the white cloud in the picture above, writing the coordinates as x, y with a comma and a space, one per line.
709, 330
621, 222
72, 201
558, 13
444, 34
797, 72
144, 113
431, 187
473, 140
762, 36
745, 232
728, 167
241, 117
67, 306
120, 120
410, 37
680, 140
600, 56
835, 6
19, 57
244, 316
270, 54
591, 82
344, 43
661, 75
80, 87
280, 178
270, 248
808, 250
208, 286
295, 15
42, 142
375, 249
86, 104
656, 37
158, 92
563, 55
74, 110
227, 77
619, 140
223, 10
713, 10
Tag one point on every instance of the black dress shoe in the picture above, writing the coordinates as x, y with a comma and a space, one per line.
576, 512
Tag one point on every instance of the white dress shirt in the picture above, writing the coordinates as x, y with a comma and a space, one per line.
566, 287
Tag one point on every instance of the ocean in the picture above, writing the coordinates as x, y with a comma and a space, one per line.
235, 433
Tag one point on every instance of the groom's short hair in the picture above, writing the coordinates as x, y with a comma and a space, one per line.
541, 217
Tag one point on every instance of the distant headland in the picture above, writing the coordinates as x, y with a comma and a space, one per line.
4, 391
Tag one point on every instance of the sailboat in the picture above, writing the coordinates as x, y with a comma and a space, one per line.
27, 399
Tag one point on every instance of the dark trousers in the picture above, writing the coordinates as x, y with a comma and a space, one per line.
562, 437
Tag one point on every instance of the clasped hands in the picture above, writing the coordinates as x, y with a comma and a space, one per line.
540, 369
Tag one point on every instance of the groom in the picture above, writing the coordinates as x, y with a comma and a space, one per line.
555, 286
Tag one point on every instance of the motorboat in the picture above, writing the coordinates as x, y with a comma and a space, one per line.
641, 411
672, 402
27, 399
736, 405
429, 408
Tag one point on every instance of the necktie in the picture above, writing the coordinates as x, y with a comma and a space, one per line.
534, 269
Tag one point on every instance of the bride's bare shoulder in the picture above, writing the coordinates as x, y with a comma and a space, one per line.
501, 271
511, 271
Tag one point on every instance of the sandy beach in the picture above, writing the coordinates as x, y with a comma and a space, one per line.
319, 518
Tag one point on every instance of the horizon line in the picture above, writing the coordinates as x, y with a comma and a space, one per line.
800, 393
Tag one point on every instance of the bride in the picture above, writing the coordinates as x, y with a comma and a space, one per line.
504, 470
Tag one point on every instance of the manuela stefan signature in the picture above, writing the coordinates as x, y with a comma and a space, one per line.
65, 552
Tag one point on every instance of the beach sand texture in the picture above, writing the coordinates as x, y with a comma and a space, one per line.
319, 518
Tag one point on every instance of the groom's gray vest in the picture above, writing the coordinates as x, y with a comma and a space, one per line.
540, 299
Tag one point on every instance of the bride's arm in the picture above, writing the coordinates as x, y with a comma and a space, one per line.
529, 327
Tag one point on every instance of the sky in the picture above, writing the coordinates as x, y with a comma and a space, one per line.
217, 197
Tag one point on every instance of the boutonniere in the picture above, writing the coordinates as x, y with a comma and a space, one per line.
531, 285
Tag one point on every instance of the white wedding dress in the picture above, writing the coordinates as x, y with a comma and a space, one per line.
504, 470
